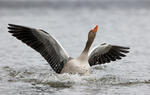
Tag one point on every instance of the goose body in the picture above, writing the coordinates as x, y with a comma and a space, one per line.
74, 66
58, 58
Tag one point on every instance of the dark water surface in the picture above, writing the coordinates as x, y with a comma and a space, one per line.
24, 72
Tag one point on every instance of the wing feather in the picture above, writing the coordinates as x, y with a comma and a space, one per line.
105, 53
43, 43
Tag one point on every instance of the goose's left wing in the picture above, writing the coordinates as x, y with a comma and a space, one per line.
43, 43
106, 53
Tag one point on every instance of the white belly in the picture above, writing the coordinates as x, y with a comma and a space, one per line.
74, 66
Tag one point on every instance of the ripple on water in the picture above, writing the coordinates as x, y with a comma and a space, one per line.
67, 80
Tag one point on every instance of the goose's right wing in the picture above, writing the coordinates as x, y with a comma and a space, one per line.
106, 53
43, 43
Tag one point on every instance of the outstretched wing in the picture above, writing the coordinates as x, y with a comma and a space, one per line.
106, 53
43, 43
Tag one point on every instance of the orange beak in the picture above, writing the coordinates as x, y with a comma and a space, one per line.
95, 29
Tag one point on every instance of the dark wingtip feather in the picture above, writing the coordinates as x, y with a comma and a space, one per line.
126, 47
11, 28
11, 31
121, 47
18, 27
11, 25
124, 51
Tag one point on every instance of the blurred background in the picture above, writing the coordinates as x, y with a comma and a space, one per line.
122, 22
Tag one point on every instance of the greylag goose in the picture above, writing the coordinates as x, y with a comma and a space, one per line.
58, 58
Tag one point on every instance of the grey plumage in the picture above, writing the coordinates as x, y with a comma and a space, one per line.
57, 57
43, 43
106, 53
